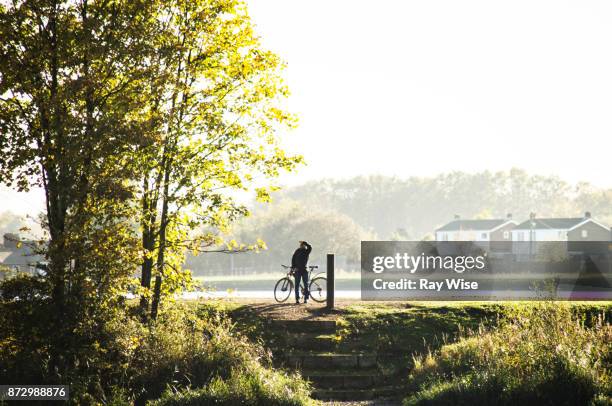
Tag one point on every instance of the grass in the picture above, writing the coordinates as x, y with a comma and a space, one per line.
400, 332
265, 388
539, 354
220, 367
389, 327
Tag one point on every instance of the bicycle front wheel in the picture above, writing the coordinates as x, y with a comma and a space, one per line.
318, 289
283, 289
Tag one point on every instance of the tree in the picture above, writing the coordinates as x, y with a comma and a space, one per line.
212, 108
134, 117
70, 78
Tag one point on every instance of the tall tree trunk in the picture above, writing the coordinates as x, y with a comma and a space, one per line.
147, 260
150, 201
161, 249
156, 297
51, 121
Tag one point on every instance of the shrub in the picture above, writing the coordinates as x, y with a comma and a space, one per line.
23, 330
127, 362
540, 355
191, 357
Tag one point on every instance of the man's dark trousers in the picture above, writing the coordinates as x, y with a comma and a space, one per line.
301, 274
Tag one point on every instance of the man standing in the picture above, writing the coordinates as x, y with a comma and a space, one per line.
299, 262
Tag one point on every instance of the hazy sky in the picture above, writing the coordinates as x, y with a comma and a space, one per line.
422, 87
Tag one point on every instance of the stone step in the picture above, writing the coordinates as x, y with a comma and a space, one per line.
311, 341
346, 379
329, 360
305, 326
381, 392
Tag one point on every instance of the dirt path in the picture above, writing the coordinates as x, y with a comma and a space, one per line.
310, 311
294, 311
365, 403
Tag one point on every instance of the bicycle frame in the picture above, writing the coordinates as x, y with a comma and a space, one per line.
291, 272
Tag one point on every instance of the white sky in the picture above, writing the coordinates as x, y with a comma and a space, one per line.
408, 88
422, 87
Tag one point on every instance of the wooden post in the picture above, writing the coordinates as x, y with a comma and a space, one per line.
331, 281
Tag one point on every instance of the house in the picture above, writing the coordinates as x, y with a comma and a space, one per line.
489, 234
561, 229
573, 234
18, 254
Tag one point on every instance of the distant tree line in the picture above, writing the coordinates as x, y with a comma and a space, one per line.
9, 223
416, 206
335, 215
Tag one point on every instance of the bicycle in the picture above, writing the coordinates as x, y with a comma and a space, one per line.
317, 286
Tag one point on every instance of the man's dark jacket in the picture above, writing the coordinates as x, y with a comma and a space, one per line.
300, 257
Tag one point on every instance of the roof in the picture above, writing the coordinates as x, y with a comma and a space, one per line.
555, 223
476, 225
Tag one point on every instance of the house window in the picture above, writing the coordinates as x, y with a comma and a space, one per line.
521, 236
585, 233
561, 234
445, 237
506, 235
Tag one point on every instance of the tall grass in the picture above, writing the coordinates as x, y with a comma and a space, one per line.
184, 357
540, 354
187, 359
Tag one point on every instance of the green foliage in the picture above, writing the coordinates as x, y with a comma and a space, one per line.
540, 355
245, 320
69, 78
210, 115
7, 272
134, 117
182, 350
23, 347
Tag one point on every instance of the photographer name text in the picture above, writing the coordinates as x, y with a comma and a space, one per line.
425, 284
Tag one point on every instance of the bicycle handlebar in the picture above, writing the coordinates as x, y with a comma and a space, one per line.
310, 266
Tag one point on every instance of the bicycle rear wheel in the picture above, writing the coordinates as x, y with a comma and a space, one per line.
318, 289
283, 289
